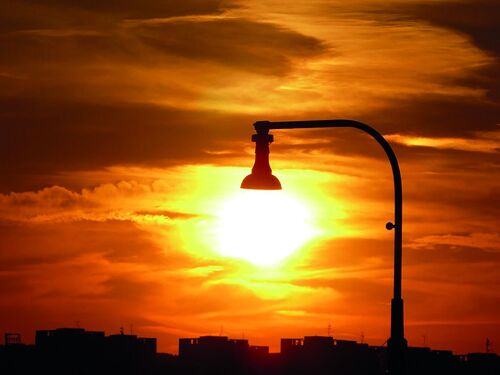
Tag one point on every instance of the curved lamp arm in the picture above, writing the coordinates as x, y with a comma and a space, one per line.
263, 127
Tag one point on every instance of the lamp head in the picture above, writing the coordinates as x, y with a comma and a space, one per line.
261, 182
261, 177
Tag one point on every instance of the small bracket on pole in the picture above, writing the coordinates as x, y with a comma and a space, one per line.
389, 226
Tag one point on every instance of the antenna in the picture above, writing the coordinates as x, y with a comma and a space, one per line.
424, 337
131, 328
488, 345
329, 329
362, 337
121, 331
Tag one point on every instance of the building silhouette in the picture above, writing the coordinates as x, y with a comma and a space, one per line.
326, 355
81, 352
221, 355
77, 351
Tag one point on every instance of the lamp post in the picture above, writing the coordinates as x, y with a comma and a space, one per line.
262, 178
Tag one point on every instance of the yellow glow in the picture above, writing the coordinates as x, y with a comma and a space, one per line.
263, 227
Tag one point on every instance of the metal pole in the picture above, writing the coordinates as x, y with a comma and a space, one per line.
397, 343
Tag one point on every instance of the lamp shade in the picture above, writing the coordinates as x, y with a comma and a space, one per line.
261, 181
261, 177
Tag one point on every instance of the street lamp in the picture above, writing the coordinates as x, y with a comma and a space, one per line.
262, 178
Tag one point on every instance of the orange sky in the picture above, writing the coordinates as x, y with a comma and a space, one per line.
125, 133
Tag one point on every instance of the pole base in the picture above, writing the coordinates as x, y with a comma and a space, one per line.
396, 350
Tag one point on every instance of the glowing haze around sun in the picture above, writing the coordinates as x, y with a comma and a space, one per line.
263, 227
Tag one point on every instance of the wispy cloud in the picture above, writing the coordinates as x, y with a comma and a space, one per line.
483, 241
488, 142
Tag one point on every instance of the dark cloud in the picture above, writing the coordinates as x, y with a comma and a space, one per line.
29, 52
256, 46
438, 115
59, 112
48, 14
485, 78
432, 116
429, 115
140, 8
478, 20
148, 8
44, 137
259, 47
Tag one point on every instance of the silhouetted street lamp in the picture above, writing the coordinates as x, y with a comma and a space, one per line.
262, 178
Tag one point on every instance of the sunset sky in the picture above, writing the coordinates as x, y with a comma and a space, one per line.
125, 133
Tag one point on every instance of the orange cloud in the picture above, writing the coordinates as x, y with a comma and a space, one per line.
489, 142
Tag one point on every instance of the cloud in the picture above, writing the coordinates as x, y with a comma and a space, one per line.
134, 93
106, 202
482, 241
38, 245
259, 47
478, 20
167, 214
237, 43
77, 98
489, 142
45, 14
44, 137
438, 116
141, 8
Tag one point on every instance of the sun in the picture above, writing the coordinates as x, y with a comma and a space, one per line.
263, 227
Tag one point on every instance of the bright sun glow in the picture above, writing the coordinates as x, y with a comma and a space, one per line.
262, 226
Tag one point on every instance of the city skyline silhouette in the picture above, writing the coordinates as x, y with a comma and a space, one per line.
77, 350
